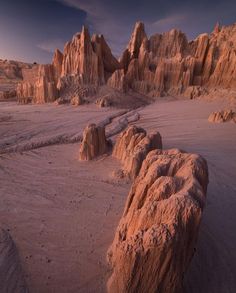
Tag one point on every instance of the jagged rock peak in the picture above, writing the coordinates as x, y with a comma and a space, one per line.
138, 36
217, 28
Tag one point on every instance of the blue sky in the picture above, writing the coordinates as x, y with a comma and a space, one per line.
30, 30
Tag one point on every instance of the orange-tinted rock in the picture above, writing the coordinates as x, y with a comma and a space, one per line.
94, 143
39, 85
155, 239
167, 64
222, 116
132, 147
57, 63
77, 101
11, 275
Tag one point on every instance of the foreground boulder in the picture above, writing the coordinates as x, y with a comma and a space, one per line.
11, 276
94, 143
133, 145
223, 116
156, 236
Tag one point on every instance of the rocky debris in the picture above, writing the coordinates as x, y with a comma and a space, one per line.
77, 101
61, 101
155, 239
94, 143
11, 275
105, 101
6, 95
193, 92
223, 116
132, 147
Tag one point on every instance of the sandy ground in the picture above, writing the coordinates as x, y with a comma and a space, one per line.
62, 213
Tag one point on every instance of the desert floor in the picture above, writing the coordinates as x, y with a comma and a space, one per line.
62, 213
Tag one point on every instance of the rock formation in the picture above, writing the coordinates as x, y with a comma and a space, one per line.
94, 143
11, 276
159, 65
167, 64
223, 116
85, 64
10, 76
132, 146
156, 236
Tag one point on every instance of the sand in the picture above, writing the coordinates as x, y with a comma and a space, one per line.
62, 213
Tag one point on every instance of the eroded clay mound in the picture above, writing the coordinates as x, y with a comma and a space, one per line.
223, 116
11, 276
157, 233
133, 145
94, 143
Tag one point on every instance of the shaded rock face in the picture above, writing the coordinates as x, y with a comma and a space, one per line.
132, 146
156, 236
223, 116
11, 276
94, 143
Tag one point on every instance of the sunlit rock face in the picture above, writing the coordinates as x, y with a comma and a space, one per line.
160, 65
222, 116
155, 239
132, 147
86, 63
168, 64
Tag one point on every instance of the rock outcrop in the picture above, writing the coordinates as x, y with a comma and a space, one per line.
10, 76
132, 147
157, 233
159, 65
40, 85
94, 143
223, 116
11, 276
85, 64
167, 64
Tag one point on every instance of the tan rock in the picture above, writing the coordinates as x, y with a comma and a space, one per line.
155, 239
222, 116
77, 101
11, 275
94, 143
132, 146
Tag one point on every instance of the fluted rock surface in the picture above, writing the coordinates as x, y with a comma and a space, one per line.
87, 62
11, 276
159, 65
39, 85
132, 146
167, 64
156, 236
94, 143
223, 116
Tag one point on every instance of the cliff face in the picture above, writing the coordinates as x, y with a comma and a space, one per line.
164, 64
167, 64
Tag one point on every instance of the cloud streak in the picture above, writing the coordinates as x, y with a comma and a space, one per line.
51, 45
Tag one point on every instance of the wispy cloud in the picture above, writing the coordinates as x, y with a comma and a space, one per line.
51, 45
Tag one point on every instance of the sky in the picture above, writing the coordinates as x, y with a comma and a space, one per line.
30, 30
